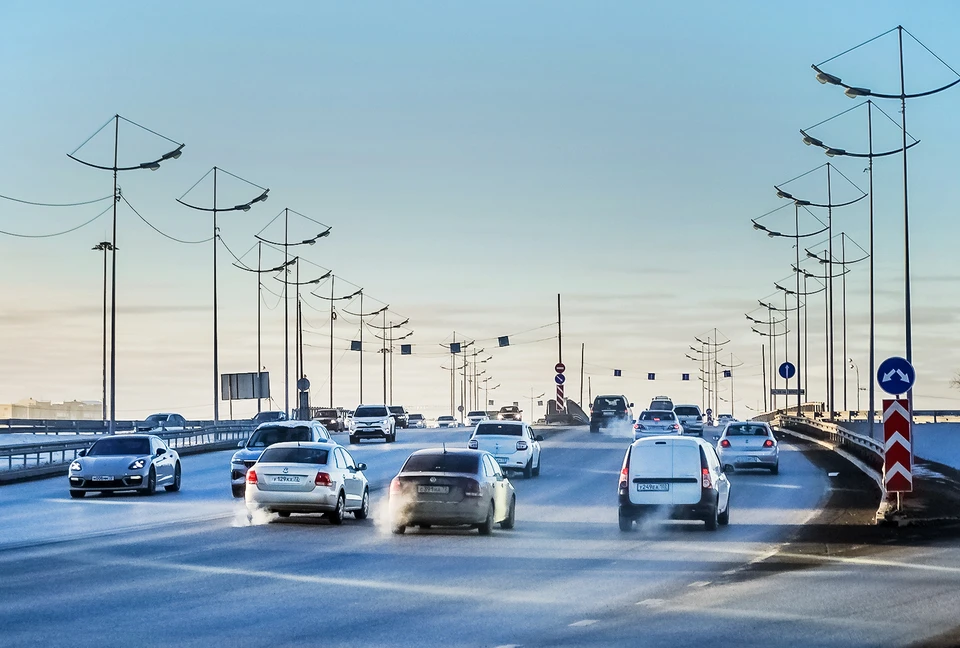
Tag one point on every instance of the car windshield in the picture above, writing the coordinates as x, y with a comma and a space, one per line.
445, 418
115, 446
477, 414
609, 402
371, 412
686, 410
270, 434
269, 416
396, 409
442, 462
500, 428
658, 416
509, 410
661, 405
156, 418
295, 455
746, 430
328, 413
416, 417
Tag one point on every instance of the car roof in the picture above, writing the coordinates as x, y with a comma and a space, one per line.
670, 437
505, 422
445, 417
687, 405
319, 445
373, 405
130, 436
451, 451
287, 423
165, 414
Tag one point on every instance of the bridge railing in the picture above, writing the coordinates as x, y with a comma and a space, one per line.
864, 448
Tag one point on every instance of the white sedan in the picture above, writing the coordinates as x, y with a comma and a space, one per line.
512, 443
749, 445
308, 477
476, 417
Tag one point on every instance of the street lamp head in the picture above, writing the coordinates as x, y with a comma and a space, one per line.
261, 198
245, 207
831, 152
783, 194
153, 166
758, 226
772, 234
826, 77
808, 140
174, 154
802, 203
853, 93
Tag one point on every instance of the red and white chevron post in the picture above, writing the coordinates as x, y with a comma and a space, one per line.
561, 405
897, 446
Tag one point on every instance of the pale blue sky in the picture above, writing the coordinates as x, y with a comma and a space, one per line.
474, 159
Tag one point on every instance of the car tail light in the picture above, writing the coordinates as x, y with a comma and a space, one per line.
472, 488
705, 476
521, 445
674, 427
725, 444
323, 479
625, 473
638, 426
768, 443
473, 444
395, 486
251, 476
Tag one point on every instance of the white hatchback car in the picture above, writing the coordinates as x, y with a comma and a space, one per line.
656, 422
305, 477
679, 475
512, 443
749, 445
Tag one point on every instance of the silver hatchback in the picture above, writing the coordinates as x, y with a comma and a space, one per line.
749, 445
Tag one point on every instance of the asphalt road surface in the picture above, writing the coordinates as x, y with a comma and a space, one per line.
187, 569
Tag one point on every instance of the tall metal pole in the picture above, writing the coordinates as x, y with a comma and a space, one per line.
873, 358
559, 332
796, 216
732, 378
104, 403
582, 348
908, 318
773, 359
296, 335
830, 350
286, 312
113, 286
216, 358
786, 348
843, 310
763, 363
384, 352
826, 339
453, 380
361, 346
390, 333
806, 341
333, 318
259, 323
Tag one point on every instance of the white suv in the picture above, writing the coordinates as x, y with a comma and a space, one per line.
476, 417
679, 475
512, 443
373, 422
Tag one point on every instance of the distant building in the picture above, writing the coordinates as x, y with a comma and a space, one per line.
68, 410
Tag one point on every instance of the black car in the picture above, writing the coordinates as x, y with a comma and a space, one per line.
331, 419
269, 417
399, 415
610, 410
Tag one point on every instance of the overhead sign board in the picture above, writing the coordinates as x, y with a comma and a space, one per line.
245, 386
787, 392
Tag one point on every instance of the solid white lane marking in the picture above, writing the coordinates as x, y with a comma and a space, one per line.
584, 623
833, 474
651, 602
699, 584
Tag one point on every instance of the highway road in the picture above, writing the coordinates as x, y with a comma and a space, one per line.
187, 569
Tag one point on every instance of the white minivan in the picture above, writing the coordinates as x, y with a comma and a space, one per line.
681, 476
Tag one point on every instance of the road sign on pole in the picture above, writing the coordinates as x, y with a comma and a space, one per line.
560, 367
896, 376
897, 446
787, 370
560, 378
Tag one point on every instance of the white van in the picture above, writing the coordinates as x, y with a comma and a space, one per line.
679, 475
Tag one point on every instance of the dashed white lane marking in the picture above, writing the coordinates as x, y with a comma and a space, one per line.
651, 602
699, 584
581, 624
833, 474
509, 646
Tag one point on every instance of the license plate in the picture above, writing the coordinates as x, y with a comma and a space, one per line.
659, 486
501, 460
433, 489
287, 479
608, 412
102, 478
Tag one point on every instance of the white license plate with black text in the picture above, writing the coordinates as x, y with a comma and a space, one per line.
286, 479
442, 490
655, 487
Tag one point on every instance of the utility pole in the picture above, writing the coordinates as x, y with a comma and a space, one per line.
582, 346
763, 362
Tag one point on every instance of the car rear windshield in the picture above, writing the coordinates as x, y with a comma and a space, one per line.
686, 410
370, 411
476, 413
442, 462
609, 402
661, 405
156, 418
416, 417
396, 409
269, 434
499, 428
445, 418
657, 416
510, 408
295, 455
328, 413
119, 446
746, 430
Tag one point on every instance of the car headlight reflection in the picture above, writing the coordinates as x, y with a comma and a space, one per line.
76, 466
137, 465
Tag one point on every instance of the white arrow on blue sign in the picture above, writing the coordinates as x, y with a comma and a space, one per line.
896, 376
560, 379
787, 370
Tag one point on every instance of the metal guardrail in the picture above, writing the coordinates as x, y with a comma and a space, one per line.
70, 427
60, 452
864, 448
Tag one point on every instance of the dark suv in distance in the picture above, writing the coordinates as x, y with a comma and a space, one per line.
331, 419
610, 410
399, 415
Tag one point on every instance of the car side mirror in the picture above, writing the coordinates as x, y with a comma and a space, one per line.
361, 466
240, 445
539, 437
161, 451
631, 404
82, 453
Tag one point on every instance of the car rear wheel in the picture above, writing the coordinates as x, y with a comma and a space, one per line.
626, 520
175, 486
536, 471
398, 529
724, 518
528, 469
151, 487
712, 520
77, 494
594, 428
238, 491
486, 527
511, 520
775, 470
336, 516
364, 510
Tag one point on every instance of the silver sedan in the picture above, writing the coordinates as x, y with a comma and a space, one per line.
308, 477
127, 462
451, 488
749, 445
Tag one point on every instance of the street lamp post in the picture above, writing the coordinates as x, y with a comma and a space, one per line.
104, 246
853, 365
216, 235
152, 165
333, 318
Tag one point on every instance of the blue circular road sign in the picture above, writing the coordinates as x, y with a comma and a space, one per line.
560, 379
896, 376
787, 370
